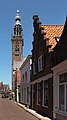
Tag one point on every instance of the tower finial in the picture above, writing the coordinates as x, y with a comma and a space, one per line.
17, 18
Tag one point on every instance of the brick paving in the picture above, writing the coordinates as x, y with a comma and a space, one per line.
10, 111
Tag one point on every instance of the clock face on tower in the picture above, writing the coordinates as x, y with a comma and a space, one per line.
17, 47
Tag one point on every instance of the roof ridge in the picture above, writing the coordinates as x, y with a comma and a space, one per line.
53, 25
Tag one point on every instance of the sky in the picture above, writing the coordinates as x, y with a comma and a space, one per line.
49, 12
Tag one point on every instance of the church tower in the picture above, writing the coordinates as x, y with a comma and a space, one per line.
17, 46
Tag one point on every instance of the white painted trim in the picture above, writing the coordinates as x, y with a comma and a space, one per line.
60, 65
42, 78
17, 95
59, 69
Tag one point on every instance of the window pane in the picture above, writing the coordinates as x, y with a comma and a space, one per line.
25, 76
39, 93
46, 93
27, 94
43, 60
46, 97
22, 94
61, 97
63, 78
34, 68
40, 67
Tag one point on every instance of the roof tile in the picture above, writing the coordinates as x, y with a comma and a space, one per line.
51, 32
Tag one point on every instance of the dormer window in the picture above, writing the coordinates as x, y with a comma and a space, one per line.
57, 38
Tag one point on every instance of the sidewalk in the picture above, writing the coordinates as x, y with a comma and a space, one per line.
40, 117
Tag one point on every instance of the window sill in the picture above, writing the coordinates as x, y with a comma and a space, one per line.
61, 112
40, 70
44, 106
38, 104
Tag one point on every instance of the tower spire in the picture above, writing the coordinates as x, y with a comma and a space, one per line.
17, 25
17, 18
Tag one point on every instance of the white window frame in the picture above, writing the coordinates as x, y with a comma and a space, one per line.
59, 69
43, 94
65, 99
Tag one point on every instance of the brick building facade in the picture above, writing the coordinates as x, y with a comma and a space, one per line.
41, 80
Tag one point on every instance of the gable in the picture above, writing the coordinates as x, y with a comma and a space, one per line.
60, 51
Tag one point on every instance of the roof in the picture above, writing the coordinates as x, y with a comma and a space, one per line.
53, 31
61, 48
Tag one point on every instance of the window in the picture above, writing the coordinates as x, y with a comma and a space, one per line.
17, 55
63, 78
23, 78
47, 42
43, 60
34, 68
22, 94
63, 92
57, 38
45, 93
40, 65
33, 93
61, 97
38, 93
28, 94
26, 76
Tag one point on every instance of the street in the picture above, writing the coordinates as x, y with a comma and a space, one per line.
10, 111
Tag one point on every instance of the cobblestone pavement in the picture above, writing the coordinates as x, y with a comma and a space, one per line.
10, 111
